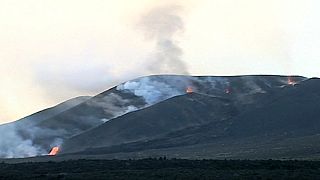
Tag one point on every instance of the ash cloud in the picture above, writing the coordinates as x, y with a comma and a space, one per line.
162, 24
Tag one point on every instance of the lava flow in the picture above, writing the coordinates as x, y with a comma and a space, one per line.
54, 151
189, 90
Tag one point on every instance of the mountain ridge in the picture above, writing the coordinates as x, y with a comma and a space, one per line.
142, 93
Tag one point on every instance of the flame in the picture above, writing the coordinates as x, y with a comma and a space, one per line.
54, 151
189, 90
291, 81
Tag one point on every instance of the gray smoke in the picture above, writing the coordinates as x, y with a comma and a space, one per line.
18, 142
13, 145
162, 24
21, 138
113, 105
157, 88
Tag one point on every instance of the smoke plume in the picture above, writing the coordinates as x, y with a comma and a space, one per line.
162, 24
113, 105
157, 88
19, 141
14, 146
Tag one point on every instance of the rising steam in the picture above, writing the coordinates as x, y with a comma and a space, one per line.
162, 24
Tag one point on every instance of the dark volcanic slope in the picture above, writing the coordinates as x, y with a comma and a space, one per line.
285, 127
17, 137
191, 110
84, 116
50, 128
171, 115
296, 112
93, 112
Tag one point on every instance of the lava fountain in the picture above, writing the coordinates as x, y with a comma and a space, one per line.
291, 81
227, 91
54, 151
189, 90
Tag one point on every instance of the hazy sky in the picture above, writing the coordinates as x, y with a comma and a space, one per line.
52, 50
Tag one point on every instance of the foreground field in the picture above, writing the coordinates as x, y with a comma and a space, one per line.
162, 169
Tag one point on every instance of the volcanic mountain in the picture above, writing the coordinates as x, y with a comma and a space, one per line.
160, 114
286, 126
38, 133
256, 117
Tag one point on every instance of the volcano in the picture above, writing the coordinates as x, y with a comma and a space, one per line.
226, 117
279, 123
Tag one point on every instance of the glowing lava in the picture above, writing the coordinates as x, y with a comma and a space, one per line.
54, 151
227, 91
291, 81
189, 90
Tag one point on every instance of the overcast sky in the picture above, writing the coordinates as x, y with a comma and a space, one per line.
53, 50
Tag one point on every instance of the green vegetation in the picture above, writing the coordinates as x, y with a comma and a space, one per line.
162, 169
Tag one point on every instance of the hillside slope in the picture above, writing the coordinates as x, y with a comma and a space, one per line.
285, 127
171, 115
210, 103
37, 135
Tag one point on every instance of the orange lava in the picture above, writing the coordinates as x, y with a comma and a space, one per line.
291, 81
189, 90
54, 151
227, 91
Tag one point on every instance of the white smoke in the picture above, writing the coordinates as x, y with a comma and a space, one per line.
88, 72
162, 24
253, 87
104, 120
157, 88
13, 145
20, 139
113, 105
17, 141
